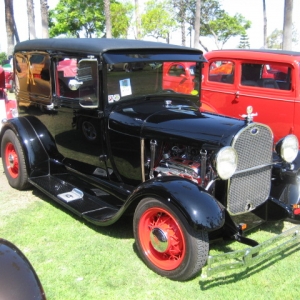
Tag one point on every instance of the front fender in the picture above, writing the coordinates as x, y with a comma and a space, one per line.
202, 210
36, 141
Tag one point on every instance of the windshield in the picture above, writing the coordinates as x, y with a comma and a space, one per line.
127, 80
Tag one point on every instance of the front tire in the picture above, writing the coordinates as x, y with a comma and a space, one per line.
166, 242
14, 161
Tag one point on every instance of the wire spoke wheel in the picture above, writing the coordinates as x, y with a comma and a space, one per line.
13, 160
166, 242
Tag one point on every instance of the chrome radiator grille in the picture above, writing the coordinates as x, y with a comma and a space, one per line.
249, 189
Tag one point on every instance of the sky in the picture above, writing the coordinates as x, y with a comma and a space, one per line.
250, 9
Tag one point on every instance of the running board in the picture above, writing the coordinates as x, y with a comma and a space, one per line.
95, 208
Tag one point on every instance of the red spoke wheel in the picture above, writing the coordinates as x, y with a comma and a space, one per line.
166, 242
13, 161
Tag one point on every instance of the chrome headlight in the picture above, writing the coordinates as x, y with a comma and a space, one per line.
226, 162
14, 113
287, 148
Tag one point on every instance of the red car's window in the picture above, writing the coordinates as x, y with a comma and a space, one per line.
272, 76
221, 71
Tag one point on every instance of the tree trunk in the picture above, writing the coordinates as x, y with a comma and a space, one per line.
265, 24
107, 18
44, 17
197, 24
287, 25
138, 20
31, 20
10, 26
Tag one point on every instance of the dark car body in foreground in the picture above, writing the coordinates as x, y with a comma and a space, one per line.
105, 141
18, 279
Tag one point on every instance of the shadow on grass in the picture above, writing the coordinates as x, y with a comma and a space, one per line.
217, 281
122, 229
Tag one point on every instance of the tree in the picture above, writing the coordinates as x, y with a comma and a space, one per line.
121, 16
107, 18
274, 40
137, 20
244, 41
265, 23
222, 27
216, 23
44, 18
197, 23
11, 29
157, 21
182, 9
31, 20
287, 25
68, 18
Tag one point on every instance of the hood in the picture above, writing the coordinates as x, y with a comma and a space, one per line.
192, 127
180, 123
2, 78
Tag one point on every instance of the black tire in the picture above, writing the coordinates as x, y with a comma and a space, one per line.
166, 242
14, 161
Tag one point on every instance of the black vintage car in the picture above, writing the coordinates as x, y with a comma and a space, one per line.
104, 141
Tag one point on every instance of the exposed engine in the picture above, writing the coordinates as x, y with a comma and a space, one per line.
186, 162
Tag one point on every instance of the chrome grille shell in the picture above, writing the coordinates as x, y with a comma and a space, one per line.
250, 185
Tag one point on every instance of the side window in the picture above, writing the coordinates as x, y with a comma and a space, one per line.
278, 72
32, 72
66, 69
221, 71
272, 76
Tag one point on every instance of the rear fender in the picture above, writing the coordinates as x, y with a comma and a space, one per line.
201, 210
37, 143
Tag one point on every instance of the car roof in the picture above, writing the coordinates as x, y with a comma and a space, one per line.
255, 54
96, 45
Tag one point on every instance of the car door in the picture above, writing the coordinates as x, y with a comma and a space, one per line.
219, 86
268, 88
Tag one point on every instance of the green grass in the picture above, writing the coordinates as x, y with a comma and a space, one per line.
76, 260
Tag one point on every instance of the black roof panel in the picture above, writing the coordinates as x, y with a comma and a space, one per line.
96, 45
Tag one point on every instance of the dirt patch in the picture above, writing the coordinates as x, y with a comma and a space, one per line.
12, 200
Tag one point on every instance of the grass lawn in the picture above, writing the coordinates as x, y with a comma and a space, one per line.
76, 260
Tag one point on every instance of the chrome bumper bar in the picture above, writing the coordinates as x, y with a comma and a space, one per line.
242, 259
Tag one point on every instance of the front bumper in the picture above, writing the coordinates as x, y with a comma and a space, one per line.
243, 259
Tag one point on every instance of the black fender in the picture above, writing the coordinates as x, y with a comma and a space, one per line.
18, 279
286, 182
201, 209
37, 143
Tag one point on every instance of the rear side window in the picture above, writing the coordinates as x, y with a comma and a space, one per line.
272, 76
221, 71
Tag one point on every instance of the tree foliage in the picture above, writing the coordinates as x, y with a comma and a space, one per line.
76, 18
244, 41
73, 17
121, 16
157, 21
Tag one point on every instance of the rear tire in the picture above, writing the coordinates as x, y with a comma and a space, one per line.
13, 160
166, 242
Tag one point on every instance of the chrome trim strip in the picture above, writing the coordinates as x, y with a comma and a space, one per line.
143, 159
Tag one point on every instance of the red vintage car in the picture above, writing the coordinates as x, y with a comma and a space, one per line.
9, 78
8, 108
268, 80
180, 77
